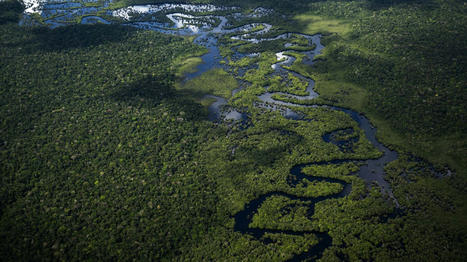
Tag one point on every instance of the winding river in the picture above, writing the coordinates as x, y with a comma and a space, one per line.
207, 29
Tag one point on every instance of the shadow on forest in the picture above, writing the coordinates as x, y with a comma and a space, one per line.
62, 38
70, 37
79, 36
10, 12
150, 92
264, 157
382, 4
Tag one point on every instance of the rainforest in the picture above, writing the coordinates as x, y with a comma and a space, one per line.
241, 130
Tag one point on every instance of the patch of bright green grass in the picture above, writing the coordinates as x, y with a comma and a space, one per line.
216, 82
187, 66
313, 24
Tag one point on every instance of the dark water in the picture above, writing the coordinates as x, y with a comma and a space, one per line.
210, 60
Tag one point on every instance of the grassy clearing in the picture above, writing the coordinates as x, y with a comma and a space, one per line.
314, 24
187, 66
216, 82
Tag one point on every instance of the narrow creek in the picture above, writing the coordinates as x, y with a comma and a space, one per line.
207, 29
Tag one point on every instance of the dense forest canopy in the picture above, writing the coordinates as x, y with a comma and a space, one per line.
107, 151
